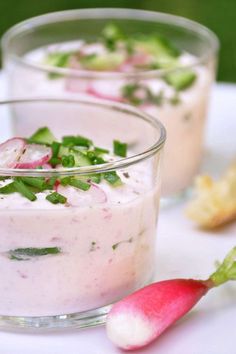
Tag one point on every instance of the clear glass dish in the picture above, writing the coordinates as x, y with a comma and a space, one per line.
106, 235
184, 119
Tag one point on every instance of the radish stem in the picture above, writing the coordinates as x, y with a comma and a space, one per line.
226, 270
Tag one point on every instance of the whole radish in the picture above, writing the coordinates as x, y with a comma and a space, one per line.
142, 316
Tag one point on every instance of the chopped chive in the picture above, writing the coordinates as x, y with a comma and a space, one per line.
56, 198
76, 141
181, 79
51, 182
55, 161
112, 178
75, 182
114, 247
68, 161
119, 148
96, 178
99, 150
55, 148
111, 34
8, 189
95, 160
24, 254
38, 182
24, 190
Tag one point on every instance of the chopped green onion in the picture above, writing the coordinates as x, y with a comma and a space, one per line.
75, 182
24, 190
57, 59
38, 182
119, 148
181, 79
55, 161
112, 178
95, 160
76, 141
99, 150
24, 254
68, 161
55, 148
110, 35
56, 198
8, 189
51, 182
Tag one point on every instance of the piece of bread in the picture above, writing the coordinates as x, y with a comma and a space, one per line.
215, 201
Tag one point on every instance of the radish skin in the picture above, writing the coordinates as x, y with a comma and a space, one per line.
141, 317
34, 155
10, 152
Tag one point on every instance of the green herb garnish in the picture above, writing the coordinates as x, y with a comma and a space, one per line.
119, 149
99, 150
56, 198
68, 161
75, 182
25, 254
76, 141
111, 34
112, 178
38, 182
42, 136
181, 79
8, 188
114, 247
22, 188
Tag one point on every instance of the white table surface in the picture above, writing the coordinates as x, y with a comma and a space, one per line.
182, 251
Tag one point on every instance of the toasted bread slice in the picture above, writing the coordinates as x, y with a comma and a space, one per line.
215, 201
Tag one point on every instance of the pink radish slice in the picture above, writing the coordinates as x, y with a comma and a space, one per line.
142, 316
91, 90
133, 62
75, 84
77, 197
10, 152
34, 155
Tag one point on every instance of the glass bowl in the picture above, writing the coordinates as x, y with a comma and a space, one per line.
183, 113
104, 237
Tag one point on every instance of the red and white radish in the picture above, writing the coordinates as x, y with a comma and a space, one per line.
34, 155
77, 197
142, 316
10, 152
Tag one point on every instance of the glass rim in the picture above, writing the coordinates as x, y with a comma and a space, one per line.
91, 169
113, 13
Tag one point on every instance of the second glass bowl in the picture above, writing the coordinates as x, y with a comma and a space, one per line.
183, 118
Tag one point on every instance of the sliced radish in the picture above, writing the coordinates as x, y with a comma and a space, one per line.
10, 152
34, 155
77, 197
75, 84
107, 90
138, 59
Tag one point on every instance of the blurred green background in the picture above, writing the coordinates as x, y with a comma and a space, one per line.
218, 15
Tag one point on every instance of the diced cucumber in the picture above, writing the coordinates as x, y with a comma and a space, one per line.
80, 158
101, 62
58, 59
181, 79
42, 136
157, 45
